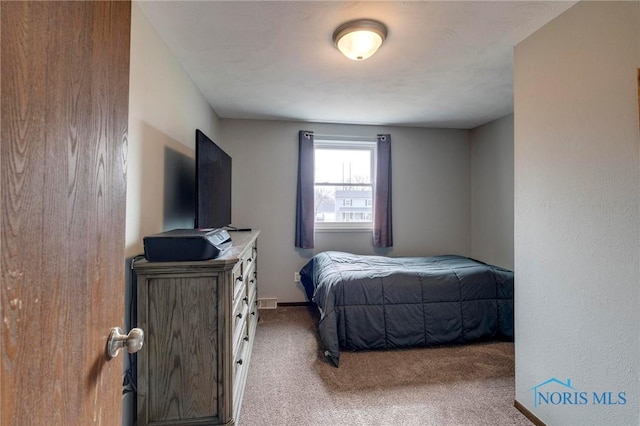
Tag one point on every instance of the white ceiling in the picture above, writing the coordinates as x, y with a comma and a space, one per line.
444, 64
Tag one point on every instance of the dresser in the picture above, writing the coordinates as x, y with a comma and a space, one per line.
199, 320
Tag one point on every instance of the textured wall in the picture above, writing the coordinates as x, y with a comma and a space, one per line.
492, 192
431, 184
577, 213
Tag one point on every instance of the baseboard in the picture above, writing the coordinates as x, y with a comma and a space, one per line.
294, 304
528, 414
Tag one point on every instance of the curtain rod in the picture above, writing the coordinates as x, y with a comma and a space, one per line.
345, 137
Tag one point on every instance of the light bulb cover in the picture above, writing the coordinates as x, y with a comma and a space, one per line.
359, 39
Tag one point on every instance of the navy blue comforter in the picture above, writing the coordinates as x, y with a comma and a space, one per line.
376, 302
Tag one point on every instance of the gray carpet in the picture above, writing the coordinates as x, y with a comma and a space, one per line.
291, 383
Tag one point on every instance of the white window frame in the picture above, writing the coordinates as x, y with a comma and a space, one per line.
345, 142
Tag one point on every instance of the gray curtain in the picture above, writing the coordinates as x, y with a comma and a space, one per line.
382, 232
305, 196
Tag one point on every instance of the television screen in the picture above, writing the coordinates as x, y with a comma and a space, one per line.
179, 190
213, 184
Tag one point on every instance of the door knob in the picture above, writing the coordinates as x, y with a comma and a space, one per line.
117, 340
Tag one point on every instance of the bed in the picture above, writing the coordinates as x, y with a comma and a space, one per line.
377, 302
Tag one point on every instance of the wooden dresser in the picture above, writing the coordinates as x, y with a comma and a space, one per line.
199, 320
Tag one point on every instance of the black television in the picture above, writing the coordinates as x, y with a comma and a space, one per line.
213, 184
179, 190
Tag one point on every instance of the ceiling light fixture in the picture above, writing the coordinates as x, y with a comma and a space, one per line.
359, 39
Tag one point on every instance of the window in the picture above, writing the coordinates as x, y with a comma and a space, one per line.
343, 184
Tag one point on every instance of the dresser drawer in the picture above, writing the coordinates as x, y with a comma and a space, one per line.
239, 286
239, 339
253, 306
249, 256
240, 356
241, 363
252, 283
251, 276
238, 300
245, 260
239, 320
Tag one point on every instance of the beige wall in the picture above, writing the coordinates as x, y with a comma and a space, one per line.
492, 192
431, 195
165, 108
577, 212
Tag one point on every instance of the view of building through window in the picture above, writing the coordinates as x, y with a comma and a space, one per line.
343, 184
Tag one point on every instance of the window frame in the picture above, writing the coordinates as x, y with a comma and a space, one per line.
347, 143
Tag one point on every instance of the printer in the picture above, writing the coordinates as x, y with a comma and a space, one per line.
180, 245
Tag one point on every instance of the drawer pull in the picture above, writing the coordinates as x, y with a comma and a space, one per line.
252, 281
245, 299
239, 361
246, 338
253, 313
239, 278
249, 260
239, 315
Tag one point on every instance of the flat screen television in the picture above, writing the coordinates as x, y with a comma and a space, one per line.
179, 190
213, 184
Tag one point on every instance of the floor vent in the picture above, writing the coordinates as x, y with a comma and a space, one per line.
268, 303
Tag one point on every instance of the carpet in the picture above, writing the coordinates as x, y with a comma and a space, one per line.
290, 382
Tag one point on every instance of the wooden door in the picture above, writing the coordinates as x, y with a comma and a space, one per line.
64, 84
